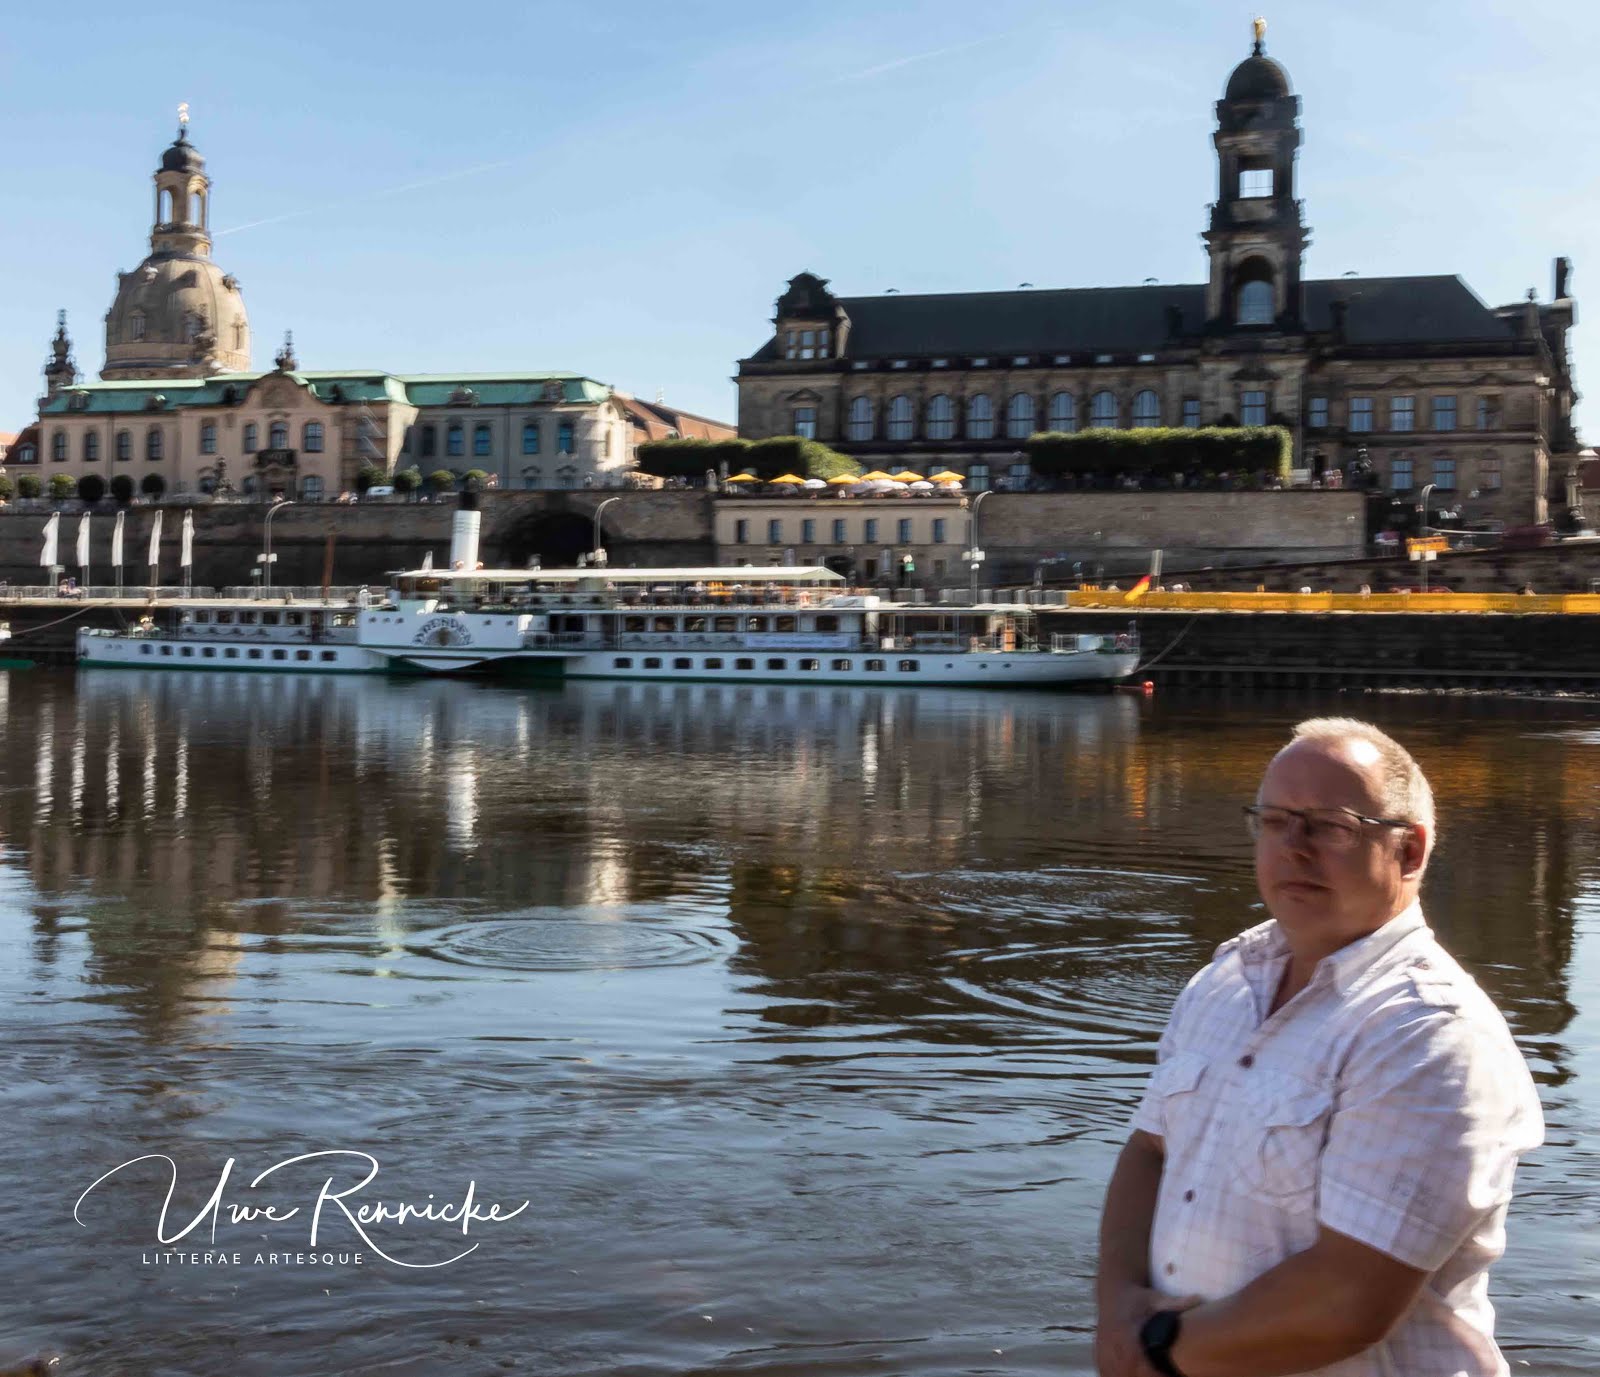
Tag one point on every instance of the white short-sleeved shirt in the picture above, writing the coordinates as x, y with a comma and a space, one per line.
1386, 1101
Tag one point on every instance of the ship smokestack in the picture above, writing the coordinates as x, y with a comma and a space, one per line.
464, 539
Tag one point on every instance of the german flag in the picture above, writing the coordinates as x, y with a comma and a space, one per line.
1138, 590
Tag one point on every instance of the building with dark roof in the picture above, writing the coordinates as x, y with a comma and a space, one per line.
1415, 376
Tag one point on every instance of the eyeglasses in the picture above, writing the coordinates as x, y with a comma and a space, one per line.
1332, 829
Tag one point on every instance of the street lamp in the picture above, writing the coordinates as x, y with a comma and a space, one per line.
974, 554
598, 553
266, 559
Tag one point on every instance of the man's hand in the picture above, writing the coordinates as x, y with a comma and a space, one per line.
1117, 1352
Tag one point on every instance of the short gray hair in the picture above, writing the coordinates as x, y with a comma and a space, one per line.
1405, 790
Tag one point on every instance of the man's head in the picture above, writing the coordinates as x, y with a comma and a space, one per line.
1329, 885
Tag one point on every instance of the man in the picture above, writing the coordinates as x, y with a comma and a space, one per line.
1318, 1175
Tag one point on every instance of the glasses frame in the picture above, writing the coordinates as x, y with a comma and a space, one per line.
1253, 811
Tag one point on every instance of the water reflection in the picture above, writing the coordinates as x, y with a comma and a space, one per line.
745, 985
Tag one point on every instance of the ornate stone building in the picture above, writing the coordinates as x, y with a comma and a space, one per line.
1433, 384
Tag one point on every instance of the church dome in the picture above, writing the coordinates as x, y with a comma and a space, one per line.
182, 156
1258, 77
176, 314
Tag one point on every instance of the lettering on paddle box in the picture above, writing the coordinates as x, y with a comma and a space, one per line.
442, 631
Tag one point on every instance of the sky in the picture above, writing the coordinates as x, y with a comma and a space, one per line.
622, 190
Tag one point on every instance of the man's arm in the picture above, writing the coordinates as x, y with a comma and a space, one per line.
1122, 1281
1328, 1303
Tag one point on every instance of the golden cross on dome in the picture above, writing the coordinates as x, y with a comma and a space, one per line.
1259, 26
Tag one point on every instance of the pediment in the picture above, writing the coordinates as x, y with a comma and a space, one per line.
805, 394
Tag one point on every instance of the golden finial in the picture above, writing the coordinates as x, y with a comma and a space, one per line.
1259, 27
183, 108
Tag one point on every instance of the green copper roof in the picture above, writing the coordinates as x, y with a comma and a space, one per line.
422, 389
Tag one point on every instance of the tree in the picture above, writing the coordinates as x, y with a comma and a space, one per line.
441, 480
122, 489
153, 485
407, 480
28, 485
475, 479
63, 486
91, 487
766, 458
7, 488
369, 476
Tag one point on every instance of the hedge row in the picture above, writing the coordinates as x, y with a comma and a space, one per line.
1162, 450
764, 458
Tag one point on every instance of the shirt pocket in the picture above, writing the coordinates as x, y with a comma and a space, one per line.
1172, 1087
1283, 1141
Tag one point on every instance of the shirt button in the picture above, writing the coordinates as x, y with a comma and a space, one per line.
1247, 1061
1188, 1196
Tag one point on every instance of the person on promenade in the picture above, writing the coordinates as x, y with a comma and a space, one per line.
1318, 1175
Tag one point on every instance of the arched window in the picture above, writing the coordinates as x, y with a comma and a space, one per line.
480, 440
977, 476
980, 422
530, 437
566, 476
164, 213
1146, 408
58, 447
941, 418
91, 447
532, 477
1064, 412
278, 435
313, 437
564, 440
900, 418
197, 207
136, 325
152, 443
1019, 416
311, 488
1253, 295
455, 440
208, 438
1103, 410
238, 336
124, 445
249, 486
252, 437
860, 423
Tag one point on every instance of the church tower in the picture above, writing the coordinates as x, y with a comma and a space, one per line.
1256, 238
60, 372
177, 314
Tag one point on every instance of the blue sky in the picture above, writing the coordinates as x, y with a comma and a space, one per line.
623, 189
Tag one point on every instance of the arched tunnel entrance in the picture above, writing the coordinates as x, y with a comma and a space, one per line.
557, 538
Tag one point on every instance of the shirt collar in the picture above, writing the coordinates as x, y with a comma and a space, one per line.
1266, 942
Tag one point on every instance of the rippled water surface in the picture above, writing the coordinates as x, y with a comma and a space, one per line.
807, 1022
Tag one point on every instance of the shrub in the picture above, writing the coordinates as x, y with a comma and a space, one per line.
122, 489
369, 476
153, 485
62, 486
91, 487
407, 480
8, 489
766, 458
1161, 451
475, 480
28, 485
441, 480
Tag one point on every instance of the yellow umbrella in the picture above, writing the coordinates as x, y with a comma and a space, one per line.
743, 478
947, 477
786, 478
844, 480
876, 476
906, 476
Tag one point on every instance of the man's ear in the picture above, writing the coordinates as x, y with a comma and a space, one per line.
1413, 851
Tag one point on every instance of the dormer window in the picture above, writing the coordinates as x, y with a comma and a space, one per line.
807, 344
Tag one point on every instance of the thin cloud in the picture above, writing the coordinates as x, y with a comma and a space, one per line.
897, 63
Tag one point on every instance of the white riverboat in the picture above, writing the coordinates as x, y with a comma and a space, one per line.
739, 624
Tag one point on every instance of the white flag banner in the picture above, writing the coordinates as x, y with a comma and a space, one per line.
52, 530
155, 543
187, 558
116, 540
83, 541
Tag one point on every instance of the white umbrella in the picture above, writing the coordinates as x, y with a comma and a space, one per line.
921, 485
814, 483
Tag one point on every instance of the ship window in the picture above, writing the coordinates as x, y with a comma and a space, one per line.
909, 665
811, 664
874, 665
725, 624
292, 619
652, 662
777, 664
187, 652
633, 623
201, 618
269, 619
694, 623
755, 624
784, 624
231, 653
224, 618
683, 662
329, 655
166, 650
147, 650
714, 663
253, 655
827, 622
280, 654
622, 662
247, 619
665, 624
841, 664
210, 652
302, 655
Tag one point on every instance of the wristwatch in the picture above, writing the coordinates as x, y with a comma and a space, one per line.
1156, 1336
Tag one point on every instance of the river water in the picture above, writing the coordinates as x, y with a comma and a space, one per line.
807, 1022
